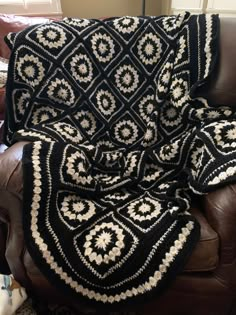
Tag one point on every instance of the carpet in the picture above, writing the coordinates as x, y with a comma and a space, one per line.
30, 308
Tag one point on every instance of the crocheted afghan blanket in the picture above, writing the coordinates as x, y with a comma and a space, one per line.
119, 143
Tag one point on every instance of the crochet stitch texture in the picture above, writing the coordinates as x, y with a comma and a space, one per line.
119, 145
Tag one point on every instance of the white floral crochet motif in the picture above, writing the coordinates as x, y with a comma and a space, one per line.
60, 91
225, 134
169, 151
30, 69
22, 102
81, 23
149, 49
68, 132
144, 209
106, 102
173, 23
103, 47
104, 243
150, 136
51, 36
126, 24
126, 131
87, 121
170, 116
127, 78
146, 107
75, 208
82, 68
43, 113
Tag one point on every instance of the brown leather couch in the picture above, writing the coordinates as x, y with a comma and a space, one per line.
208, 284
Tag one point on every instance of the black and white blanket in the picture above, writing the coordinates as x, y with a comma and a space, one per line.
119, 145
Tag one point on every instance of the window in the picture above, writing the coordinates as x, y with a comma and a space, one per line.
31, 7
192, 4
223, 8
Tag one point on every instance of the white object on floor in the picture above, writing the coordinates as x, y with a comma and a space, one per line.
12, 295
3, 64
3, 71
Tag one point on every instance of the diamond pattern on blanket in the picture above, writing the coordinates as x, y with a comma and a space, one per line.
88, 122
127, 27
51, 38
79, 26
126, 130
149, 49
58, 89
105, 102
127, 79
172, 24
70, 132
74, 210
146, 106
105, 246
105, 48
41, 113
170, 118
224, 135
21, 98
30, 67
179, 89
75, 169
80, 66
144, 212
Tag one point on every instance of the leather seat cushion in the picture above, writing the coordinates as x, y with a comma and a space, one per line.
205, 256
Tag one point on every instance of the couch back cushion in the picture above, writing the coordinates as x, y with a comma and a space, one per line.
220, 89
12, 23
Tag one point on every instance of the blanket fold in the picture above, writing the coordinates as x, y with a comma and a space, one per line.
119, 144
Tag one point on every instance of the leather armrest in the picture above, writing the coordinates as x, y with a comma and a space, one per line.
2, 100
11, 186
11, 170
220, 211
220, 207
11, 216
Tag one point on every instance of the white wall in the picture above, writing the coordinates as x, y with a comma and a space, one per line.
107, 8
